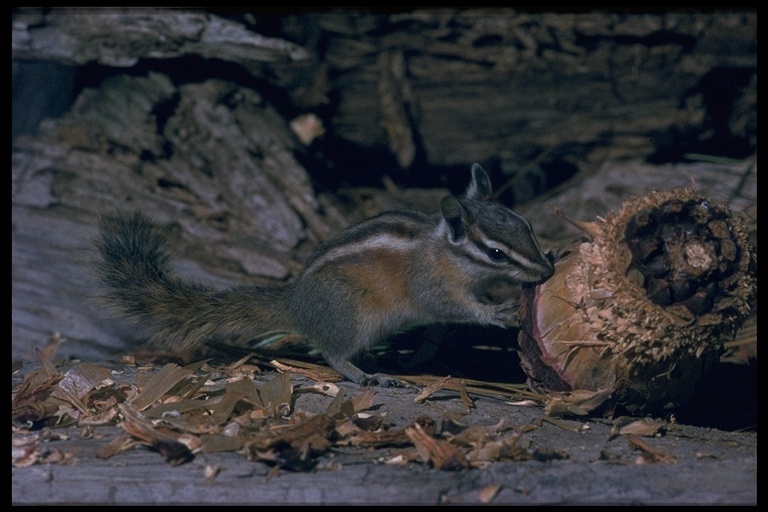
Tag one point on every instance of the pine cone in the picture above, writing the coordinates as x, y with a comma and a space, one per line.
638, 310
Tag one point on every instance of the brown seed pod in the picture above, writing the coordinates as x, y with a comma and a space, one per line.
638, 310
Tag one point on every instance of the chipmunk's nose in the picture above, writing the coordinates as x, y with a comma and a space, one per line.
549, 267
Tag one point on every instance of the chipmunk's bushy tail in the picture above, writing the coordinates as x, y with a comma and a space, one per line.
134, 268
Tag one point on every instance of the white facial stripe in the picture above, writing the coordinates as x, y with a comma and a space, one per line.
523, 261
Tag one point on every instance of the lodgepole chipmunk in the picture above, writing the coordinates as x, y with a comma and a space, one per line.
387, 273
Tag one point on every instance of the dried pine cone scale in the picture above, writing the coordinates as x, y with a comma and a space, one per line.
641, 306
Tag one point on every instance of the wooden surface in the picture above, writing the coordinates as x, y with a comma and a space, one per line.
575, 461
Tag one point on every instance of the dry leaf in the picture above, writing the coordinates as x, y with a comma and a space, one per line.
211, 472
441, 454
119, 444
25, 451
315, 372
167, 445
487, 493
277, 395
323, 388
293, 446
647, 427
363, 401
429, 390
503, 449
81, 379
220, 443
159, 384
649, 452
31, 400
578, 402
380, 439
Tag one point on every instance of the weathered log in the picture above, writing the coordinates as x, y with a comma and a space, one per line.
121, 36
218, 164
431, 91
442, 88
506, 86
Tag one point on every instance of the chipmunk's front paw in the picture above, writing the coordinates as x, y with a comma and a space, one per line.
505, 315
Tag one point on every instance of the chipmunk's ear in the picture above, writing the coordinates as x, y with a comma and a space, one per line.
480, 187
455, 217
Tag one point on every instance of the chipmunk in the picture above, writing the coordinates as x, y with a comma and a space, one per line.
390, 272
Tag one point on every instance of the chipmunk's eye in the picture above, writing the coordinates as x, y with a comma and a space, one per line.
496, 254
